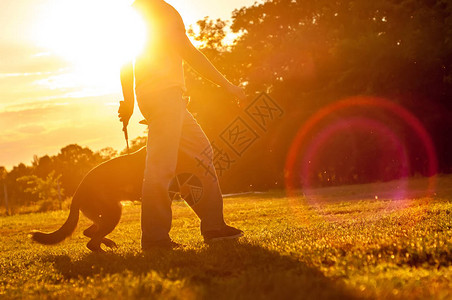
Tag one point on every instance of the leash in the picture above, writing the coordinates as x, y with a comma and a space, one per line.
126, 133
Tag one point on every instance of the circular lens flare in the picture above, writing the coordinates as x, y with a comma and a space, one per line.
394, 156
319, 130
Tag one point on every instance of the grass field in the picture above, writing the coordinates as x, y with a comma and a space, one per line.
337, 243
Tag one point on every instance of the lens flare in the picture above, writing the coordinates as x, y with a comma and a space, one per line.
395, 152
343, 117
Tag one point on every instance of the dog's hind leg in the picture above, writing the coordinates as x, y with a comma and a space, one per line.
90, 232
105, 224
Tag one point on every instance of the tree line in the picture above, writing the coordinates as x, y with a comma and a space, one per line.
310, 55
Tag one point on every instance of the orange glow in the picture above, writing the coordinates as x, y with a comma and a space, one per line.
60, 71
96, 37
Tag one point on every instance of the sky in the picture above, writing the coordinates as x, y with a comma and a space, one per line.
59, 72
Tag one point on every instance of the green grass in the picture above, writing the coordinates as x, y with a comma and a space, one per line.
338, 243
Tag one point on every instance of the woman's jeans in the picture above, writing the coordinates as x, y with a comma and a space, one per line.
176, 144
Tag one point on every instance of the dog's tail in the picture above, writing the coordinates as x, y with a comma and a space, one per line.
65, 231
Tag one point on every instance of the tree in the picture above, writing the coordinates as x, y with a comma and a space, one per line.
16, 189
43, 166
73, 163
43, 189
308, 54
107, 153
4, 189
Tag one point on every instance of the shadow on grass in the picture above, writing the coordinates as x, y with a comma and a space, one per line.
226, 270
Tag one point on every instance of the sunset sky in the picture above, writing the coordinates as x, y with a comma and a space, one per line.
59, 80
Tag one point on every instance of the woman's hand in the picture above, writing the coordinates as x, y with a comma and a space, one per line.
125, 111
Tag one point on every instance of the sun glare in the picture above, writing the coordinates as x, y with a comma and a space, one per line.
95, 36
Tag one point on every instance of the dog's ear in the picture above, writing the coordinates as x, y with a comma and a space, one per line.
144, 122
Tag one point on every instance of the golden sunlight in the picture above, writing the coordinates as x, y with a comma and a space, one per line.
95, 36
